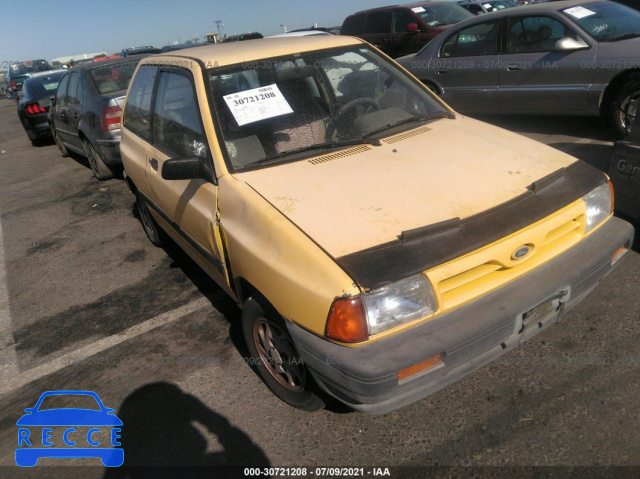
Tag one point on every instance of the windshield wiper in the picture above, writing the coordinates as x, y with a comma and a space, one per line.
431, 116
624, 37
329, 145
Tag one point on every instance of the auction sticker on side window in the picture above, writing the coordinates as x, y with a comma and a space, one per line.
257, 104
579, 12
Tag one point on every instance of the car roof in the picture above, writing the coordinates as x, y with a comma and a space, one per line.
406, 5
526, 10
48, 72
220, 54
105, 63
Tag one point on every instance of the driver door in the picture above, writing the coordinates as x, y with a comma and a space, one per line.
535, 77
188, 206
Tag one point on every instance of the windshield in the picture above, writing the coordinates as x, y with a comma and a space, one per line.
606, 21
276, 109
443, 14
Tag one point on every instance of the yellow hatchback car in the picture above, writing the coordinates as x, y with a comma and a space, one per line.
380, 245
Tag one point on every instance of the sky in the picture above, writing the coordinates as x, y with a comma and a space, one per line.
34, 29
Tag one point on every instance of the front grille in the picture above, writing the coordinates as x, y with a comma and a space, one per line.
480, 272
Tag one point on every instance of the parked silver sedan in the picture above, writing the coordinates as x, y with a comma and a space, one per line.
567, 57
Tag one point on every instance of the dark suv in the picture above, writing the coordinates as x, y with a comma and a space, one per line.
403, 29
86, 113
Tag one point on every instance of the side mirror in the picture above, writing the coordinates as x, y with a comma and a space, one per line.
413, 28
187, 168
568, 44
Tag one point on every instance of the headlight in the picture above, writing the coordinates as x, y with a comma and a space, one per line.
599, 203
398, 303
353, 319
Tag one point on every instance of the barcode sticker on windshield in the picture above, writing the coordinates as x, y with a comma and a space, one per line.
257, 104
579, 12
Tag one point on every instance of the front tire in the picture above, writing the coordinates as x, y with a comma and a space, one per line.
151, 228
100, 170
625, 106
274, 356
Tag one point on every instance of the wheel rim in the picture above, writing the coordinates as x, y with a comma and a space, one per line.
278, 355
629, 109
91, 157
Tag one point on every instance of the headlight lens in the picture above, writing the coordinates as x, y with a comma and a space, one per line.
599, 203
398, 303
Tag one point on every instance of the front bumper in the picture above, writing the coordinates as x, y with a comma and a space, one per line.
366, 377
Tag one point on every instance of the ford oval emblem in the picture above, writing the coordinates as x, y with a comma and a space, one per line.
521, 252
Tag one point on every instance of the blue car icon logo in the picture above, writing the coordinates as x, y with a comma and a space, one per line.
65, 432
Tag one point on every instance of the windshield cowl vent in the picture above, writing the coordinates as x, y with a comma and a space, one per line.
340, 154
407, 134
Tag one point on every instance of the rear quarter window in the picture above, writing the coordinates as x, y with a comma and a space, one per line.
353, 25
137, 115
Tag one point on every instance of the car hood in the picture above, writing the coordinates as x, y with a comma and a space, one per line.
361, 197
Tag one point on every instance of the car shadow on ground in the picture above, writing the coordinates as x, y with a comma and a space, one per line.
169, 433
596, 154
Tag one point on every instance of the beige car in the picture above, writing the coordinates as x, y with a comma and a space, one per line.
380, 245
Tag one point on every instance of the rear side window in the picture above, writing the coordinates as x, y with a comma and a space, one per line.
137, 115
379, 22
75, 92
177, 129
353, 25
61, 93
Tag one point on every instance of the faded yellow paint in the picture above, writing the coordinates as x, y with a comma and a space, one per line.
460, 168
278, 259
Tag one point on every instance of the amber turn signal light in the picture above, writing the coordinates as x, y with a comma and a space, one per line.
347, 321
415, 369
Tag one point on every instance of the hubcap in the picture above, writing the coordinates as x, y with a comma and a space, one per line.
629, 109
278, 355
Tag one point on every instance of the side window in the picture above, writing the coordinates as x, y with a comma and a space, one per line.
72, 93
400, 21
378, 22
479, 39
177, 128
353, 25
536, 34
61, 92
137, 114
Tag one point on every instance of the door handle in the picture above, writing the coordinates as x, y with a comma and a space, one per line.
441, 71
154, 164
512, 67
